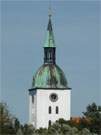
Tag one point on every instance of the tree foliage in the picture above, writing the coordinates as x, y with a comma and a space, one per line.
6, 125
9, 125
89, 124
93, 112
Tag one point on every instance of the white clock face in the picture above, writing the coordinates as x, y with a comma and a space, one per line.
53, 97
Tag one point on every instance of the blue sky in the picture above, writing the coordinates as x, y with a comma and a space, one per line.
77, 35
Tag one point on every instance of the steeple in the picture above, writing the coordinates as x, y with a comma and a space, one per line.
49, 46
50, 36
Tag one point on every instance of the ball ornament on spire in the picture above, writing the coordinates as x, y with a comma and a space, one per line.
50, 12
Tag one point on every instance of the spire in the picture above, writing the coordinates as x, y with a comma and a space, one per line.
50, 36
49, 28
49, 46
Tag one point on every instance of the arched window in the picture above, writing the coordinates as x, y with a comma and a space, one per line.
57, 109
50, 110
33, 99
49, 123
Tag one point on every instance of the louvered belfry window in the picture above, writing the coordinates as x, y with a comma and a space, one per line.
50, 110
57, 109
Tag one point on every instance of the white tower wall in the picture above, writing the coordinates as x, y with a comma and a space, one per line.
39, 111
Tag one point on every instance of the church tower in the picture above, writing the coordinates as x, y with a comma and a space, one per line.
49, 97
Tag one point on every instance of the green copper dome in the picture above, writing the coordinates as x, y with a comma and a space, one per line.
49, 76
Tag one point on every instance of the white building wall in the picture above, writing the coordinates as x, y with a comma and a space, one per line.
43, 103
32, 110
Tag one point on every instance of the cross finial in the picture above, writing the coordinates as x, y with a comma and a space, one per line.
50, 10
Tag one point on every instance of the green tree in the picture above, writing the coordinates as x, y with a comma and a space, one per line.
85, 131
28, 129
19, 132
42, 131
93, 113
17, 124
6, 126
